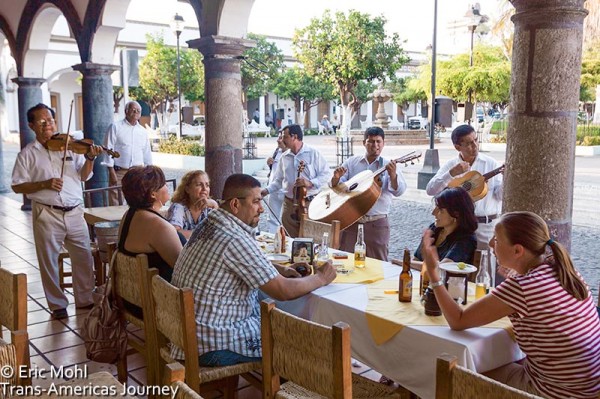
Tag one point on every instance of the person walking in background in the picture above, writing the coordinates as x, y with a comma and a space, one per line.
256, 115
469, 158
335, 123
130, 140
57, 212
191, 202
275, 200
376, 224
326, 124
289, 116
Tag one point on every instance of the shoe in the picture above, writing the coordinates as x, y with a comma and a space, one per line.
386, 381
58, 314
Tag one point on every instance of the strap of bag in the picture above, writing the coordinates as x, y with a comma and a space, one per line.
108, 289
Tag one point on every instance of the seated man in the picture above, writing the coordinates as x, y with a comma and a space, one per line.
225, 268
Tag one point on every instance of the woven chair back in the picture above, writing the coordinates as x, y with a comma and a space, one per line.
313, 229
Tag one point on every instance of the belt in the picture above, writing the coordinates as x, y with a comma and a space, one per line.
117, 168
486, 219
60, 208
368, 219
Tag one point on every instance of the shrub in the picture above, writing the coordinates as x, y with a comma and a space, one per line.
186, 146
591, 140
500, 138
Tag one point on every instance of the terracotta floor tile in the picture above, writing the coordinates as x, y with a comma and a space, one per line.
44, 329
139, 375
249, 393
39, 316
94, 367
68, 356
57, 341
33, 306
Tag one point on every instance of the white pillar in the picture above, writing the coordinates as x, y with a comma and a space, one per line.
369, 121
261, 111
125, 80
394, 112
597, 108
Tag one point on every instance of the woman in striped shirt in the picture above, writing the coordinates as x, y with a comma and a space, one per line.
550, 306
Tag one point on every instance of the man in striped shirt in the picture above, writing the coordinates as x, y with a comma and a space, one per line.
225, 269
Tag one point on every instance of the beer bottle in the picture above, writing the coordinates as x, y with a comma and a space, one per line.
482, 280
405, 279
360, 249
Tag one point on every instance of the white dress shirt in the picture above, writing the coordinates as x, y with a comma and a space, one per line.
359, 163
131, 142
35, 163
316, 170
491, 204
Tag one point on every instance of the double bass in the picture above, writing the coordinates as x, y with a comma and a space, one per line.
351, 200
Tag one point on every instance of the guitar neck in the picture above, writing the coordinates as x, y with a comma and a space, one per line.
493, 173
403, 159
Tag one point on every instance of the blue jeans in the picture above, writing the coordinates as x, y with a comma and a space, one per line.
224, 358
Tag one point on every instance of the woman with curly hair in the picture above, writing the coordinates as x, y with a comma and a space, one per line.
191, 202
549, 305
143, 229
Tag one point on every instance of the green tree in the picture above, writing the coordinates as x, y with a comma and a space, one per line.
260, 68
345, 49
295, 84
158, 76
590, 76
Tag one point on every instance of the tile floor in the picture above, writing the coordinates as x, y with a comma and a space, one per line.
56, 343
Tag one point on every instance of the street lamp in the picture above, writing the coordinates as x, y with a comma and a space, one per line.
474, 20
177, 28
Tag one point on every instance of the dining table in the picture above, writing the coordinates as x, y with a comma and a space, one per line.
104, 214
397, 339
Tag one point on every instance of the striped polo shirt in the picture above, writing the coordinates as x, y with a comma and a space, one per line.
559, 334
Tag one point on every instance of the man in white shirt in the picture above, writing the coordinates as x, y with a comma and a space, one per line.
53, 184
313, 175
488, 209
376, 224
130, 140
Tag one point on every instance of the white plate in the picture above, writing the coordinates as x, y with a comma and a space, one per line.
278, 258
453, 268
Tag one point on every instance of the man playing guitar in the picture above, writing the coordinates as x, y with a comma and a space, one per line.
376, 224
290, 174
487, 209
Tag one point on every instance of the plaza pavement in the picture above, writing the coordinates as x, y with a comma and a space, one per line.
411, 213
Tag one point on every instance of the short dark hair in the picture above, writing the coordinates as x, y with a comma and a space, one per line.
461, 131
140, 182
238, 184
374, 131
294, 129
31, 111
458, 203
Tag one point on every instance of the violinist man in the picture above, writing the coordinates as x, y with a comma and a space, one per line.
130, 140
57, 211
290, 176
376, 223
487, 209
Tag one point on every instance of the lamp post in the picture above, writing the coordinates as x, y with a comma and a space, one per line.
473, 20
431, 163
177, 27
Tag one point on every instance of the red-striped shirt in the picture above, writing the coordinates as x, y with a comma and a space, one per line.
559, 334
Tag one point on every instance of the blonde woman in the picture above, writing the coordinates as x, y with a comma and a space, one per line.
548, 303
191, 202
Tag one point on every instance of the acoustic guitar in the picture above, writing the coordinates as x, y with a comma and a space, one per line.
351, 200
475, 183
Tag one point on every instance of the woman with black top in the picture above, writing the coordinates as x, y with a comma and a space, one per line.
143, 230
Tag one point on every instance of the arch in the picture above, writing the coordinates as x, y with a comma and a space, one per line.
10, 37
104, 19
35, 37
222, 17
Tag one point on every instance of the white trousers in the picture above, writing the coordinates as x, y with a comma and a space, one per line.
53, 228
275, 202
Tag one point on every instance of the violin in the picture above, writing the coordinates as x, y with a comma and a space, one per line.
299, 196
57, 143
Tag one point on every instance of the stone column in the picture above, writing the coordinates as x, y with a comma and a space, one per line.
223, 89
29, 94
98, 109
546, 67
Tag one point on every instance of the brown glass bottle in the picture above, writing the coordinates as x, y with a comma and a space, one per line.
424, 280
405, 279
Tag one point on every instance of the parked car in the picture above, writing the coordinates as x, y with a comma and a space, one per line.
416, 122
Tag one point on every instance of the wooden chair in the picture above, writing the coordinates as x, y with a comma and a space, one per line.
314, 359
456, 382
174, 322
175, 376
313, 229
13, 317
129, 280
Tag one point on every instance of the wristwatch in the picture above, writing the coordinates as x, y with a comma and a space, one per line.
436, 284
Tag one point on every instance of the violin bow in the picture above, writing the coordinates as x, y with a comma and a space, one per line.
62, 171
275, 216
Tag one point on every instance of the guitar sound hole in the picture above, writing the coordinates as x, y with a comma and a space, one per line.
467, 186
352, 187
